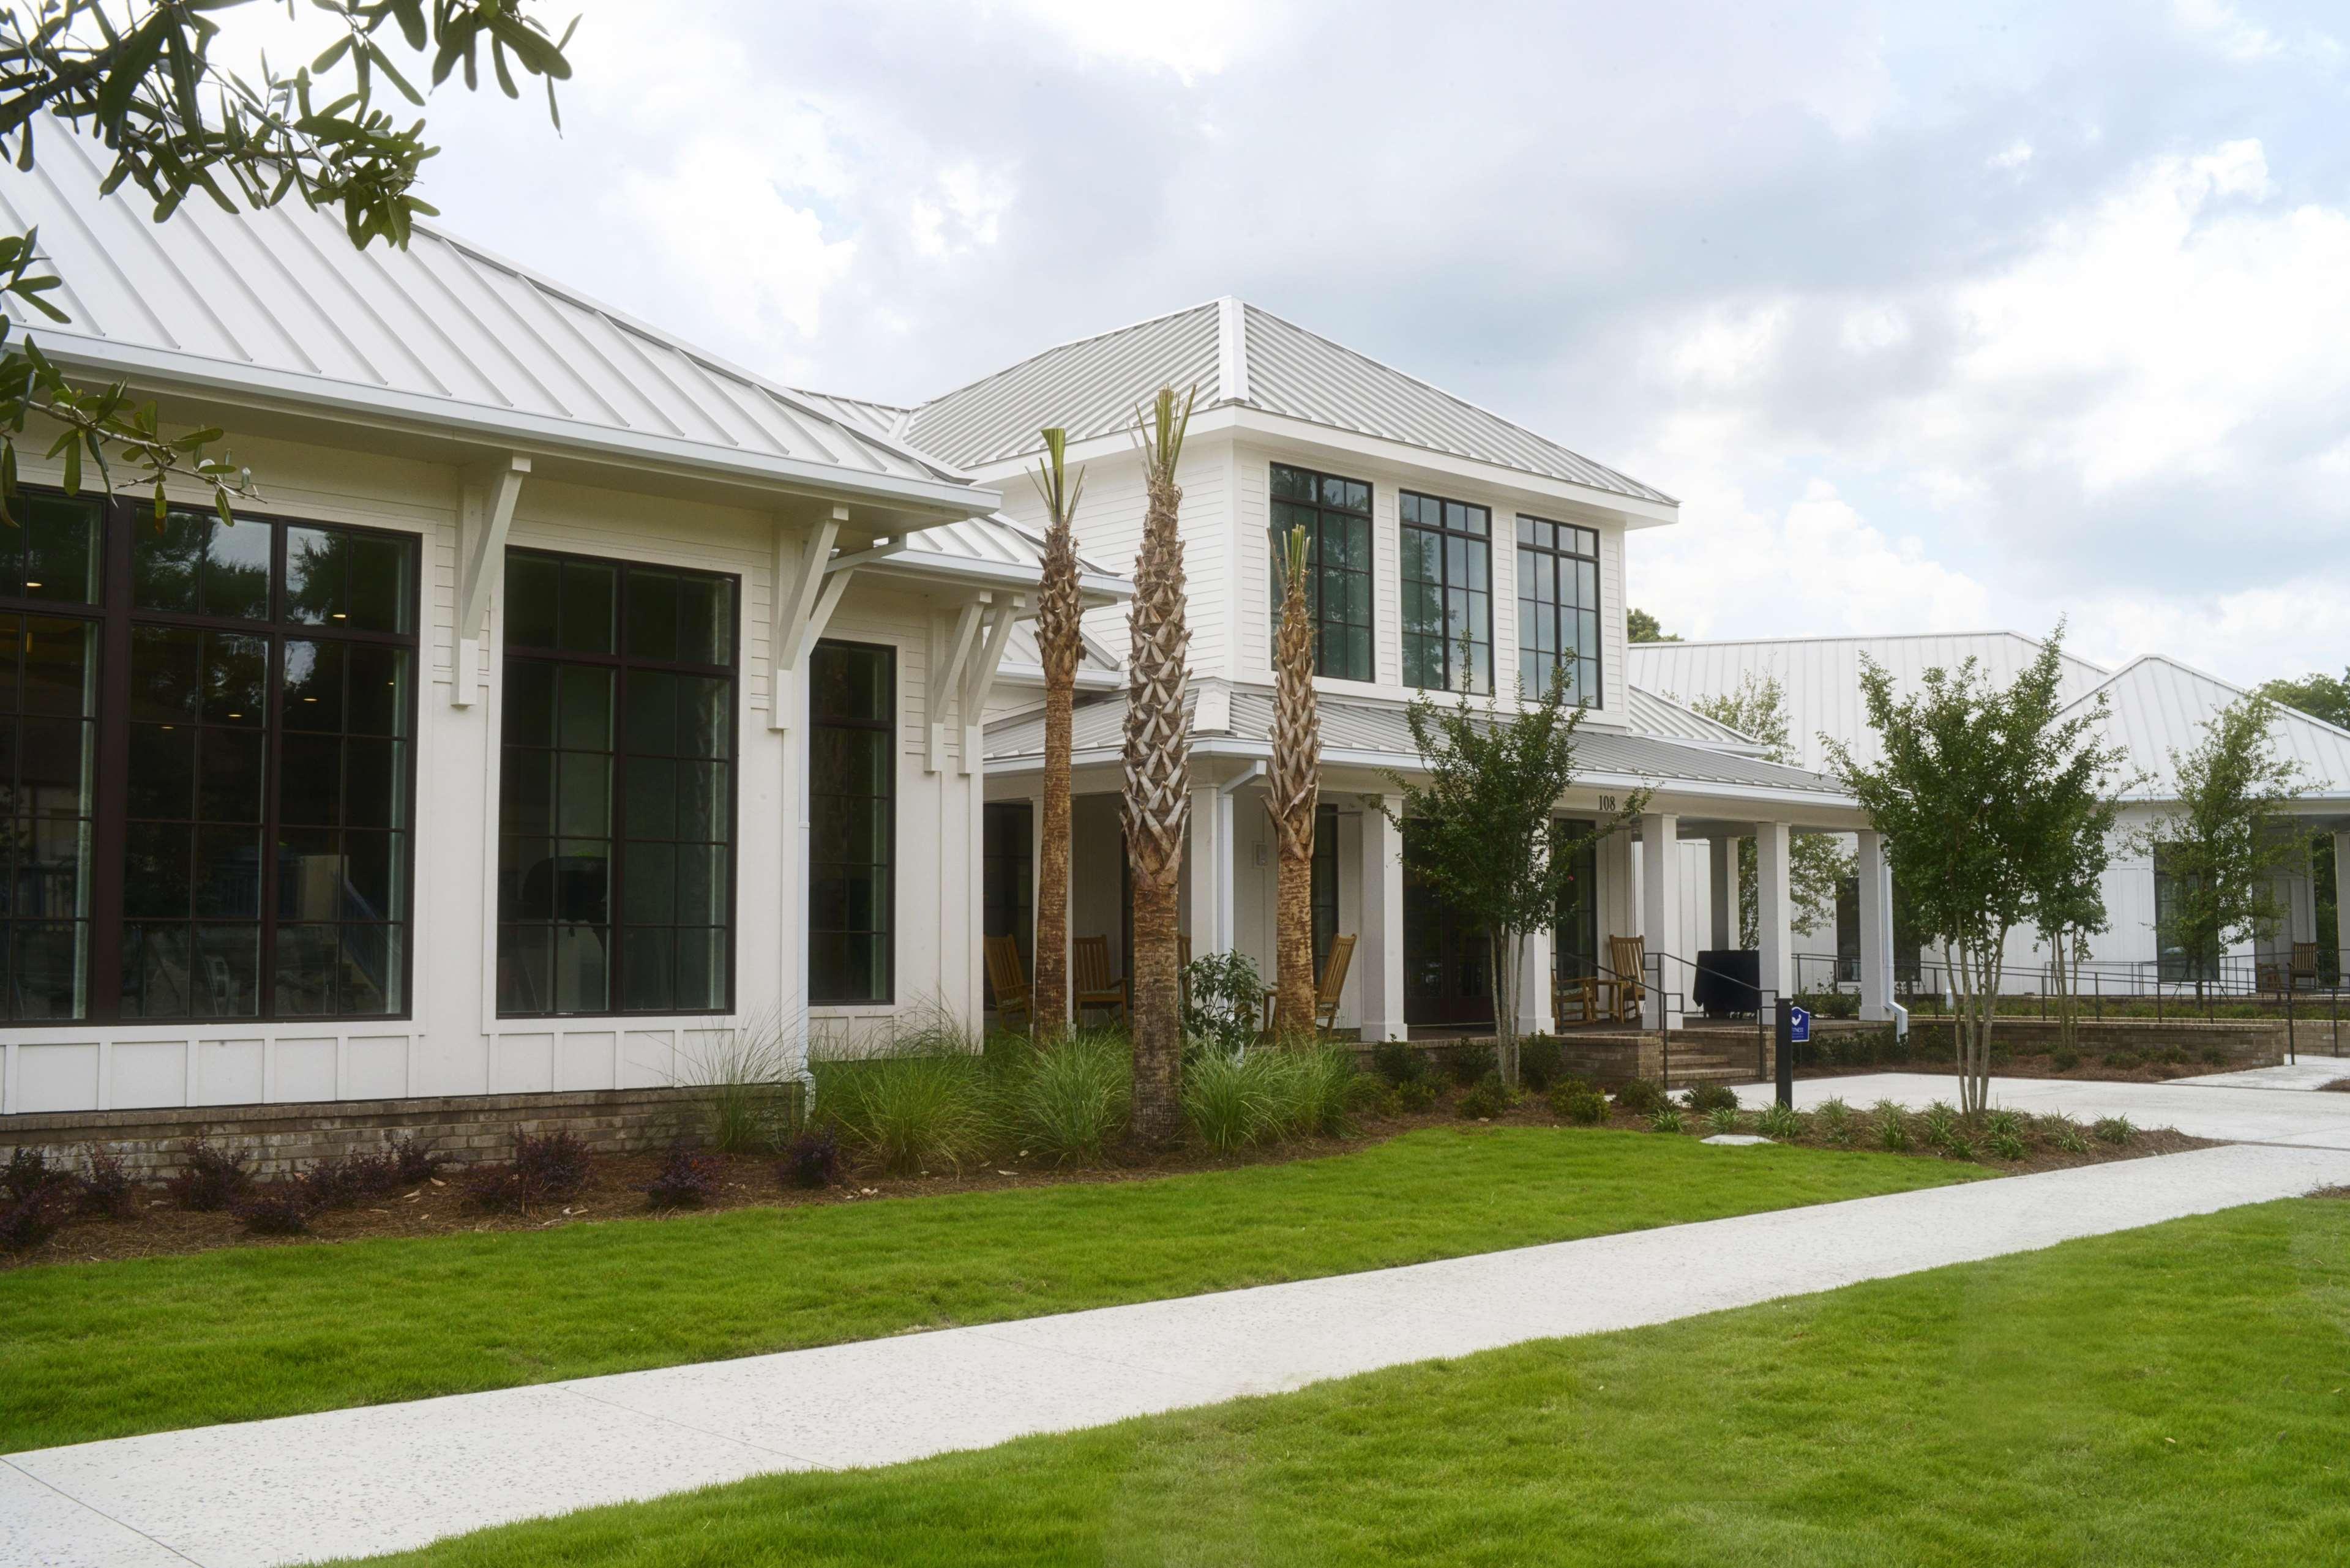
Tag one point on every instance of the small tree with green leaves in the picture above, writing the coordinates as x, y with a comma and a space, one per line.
1817, 863
1982, 795
2223, 845
1486, 833
1642, 626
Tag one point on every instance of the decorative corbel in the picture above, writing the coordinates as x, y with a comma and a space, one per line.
806, 593
979, 680
953, 636
486, 507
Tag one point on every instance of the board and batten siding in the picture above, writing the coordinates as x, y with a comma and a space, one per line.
452, 1042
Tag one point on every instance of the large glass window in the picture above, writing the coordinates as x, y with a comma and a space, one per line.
1558, 610
1448, 593
1337, 516
1007, 875
616, 812
852, 824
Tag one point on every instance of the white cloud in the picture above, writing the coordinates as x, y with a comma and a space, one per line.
1197, 38
2225, 29
960, 212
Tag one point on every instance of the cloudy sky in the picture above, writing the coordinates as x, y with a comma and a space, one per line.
1933, 316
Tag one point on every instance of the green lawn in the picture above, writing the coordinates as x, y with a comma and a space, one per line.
103, 1350
2175, 1395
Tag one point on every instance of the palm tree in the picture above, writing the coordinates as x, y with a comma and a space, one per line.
1058, 645
1291, 794
1158, 774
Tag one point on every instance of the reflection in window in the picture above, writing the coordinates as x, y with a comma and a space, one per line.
1448, 593
1337, 516
616, 793
48, 714
852, 824
1558, 610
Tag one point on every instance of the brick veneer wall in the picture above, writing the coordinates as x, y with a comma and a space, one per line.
468, 1128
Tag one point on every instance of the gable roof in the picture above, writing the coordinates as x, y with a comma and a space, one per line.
1649, 715
1236, 354
1820, 676
443, 334
2156, 710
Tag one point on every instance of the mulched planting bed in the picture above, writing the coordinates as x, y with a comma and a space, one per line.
2136, 1067
616, 1185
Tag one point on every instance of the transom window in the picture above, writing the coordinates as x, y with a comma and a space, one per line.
1448, 593
1558, 610
616, 813
1337, 516
206, 766
852, 824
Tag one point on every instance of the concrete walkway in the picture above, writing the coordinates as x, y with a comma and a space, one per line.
390, 1476
2309, 1073
2200, 1110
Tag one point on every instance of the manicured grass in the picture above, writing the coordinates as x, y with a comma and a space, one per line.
104, 1350
2175, 1395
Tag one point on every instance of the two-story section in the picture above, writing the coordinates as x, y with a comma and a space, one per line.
1450, 550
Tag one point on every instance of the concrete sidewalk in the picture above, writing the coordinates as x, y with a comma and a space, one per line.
2200, 1110
389, 1477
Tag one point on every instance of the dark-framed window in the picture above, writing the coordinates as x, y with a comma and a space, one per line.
1447, 593
1337, 516
1558, 610
852, 824
1324, 884
1007, 904
616, 808
206, 765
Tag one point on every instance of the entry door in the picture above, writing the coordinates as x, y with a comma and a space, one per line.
1446, 963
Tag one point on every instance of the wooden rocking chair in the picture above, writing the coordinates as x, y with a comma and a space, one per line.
1327, 989
1093, 985
1009, 977
1628, 987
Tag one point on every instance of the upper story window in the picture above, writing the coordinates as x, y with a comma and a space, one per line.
1448, 593
616, 813
1558, 608
1337, 516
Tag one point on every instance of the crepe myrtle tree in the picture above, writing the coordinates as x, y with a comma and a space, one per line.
1988, 799
2223, 845
178, 122
1485, 824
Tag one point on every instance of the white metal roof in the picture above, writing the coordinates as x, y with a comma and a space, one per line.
443, 334
997, 545
1649, 715
1821, 675
1235, 353
2156, 709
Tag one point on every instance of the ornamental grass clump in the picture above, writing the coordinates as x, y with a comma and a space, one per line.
746, 1078
210, 1179
914, 1101
1782, 1122
1722, 1119
1068, 1099
1227, 1103
2115, 1130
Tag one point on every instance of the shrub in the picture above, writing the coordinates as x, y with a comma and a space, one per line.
2115, 1130
688, 1179
1417, 1093
1227, 1101
1639, 1097
748, 1078
813, 1160
2213, 1056
1398, 1062
1830, 1003
1368, 1094
2124, 1061
1706, 1098
1665, 1118
347, 1179
26, 1172
909, 1109
210, 1179
1226, 1001
1958, 1146
1892, 1128
280, 1209
31, 1218
2070, 1138
1069, 1100
1778, 1121
1470, 1063
412, 1162
1540, 1061
1724, 1120
547, 1168
2063, 1059
1490, 1098
107, 1190
2005, 1146
1572, 1100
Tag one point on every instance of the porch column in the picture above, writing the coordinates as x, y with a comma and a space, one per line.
1208, 866
1533, 984
1774, 936
1875, 928
1660, 914
1379, 953
1722, 890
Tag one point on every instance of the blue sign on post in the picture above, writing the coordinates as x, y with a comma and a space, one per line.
1799, 1021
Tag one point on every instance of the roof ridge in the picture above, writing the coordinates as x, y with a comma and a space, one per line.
1065, 343
2219, 680
1868, 637
1451, 397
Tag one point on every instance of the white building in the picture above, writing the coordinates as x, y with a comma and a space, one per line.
2156, 711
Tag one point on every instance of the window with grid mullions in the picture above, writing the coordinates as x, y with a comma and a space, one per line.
1337, 516
852, 824
1558, 610
616, 812
1448, 593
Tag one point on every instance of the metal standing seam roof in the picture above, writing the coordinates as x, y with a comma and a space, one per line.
1649, 715
1099, 725
1821, 675
1091, 387
2155, 712
442, 330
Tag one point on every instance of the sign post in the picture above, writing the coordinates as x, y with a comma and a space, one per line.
1795, 1029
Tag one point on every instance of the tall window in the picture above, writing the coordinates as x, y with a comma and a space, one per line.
1007, 874
616, 812
2176, 962
852, 823
1448, 593
1558, 608
1574, 937
1337, 516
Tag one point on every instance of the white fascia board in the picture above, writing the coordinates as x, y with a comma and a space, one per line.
938, 500
1010, 673
1095, 590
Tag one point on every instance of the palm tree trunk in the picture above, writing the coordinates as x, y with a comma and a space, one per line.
1051, 990
1293, 917
1292, 792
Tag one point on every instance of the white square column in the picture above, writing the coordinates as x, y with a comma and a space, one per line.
1660, 916
1533, 984
1876, 929
1775, 936
1721, 857
1207, 871
1378, 954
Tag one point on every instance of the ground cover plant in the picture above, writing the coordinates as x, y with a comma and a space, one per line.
108, 1349
2054, 1406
